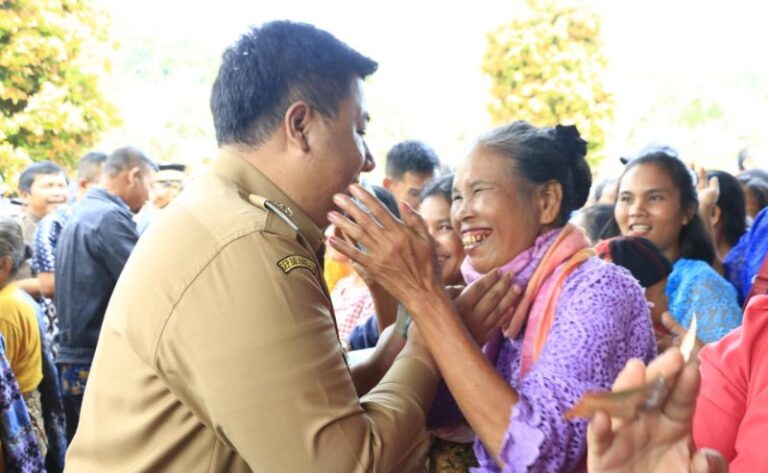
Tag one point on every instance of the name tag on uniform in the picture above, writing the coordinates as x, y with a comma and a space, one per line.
289, 263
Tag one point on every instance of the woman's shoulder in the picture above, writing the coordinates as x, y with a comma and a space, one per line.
596, 276
687, 272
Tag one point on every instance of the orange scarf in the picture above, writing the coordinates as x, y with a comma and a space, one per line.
567, 252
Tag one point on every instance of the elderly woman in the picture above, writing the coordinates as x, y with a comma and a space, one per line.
578, 321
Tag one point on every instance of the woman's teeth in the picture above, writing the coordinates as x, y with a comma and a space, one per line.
474, 238
640, 228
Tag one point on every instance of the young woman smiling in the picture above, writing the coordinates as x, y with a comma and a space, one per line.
657, 200
578, 321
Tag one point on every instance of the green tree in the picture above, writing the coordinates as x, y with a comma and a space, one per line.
546, 68
53, 54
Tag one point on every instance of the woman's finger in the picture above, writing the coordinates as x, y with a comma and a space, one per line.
708, 461
414, 220
682, 400
350, 230
666, 365
351, 251
380, 212
473, 292
599, 434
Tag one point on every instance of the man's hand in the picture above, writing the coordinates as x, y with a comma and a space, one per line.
657, 440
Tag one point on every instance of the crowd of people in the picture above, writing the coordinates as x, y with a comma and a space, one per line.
283, 313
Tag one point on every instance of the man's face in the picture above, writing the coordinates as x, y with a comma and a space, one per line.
340, 151
47, 192
409, 187
139, 184
163, 192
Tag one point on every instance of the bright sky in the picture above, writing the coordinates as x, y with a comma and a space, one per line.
429, 86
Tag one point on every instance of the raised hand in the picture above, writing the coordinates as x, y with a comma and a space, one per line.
656, 440
399, 255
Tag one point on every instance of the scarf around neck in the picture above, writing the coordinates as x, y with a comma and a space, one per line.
540, 271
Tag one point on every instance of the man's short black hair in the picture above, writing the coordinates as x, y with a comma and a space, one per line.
411, 156
277, 64
127, 157
89, 167
40, 168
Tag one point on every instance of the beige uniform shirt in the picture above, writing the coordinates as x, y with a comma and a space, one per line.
219, 351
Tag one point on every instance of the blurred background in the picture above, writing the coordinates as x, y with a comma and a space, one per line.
685, 73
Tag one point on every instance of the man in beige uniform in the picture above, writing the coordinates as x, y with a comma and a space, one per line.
233, 364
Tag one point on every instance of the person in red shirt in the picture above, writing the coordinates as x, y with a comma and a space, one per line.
732, 406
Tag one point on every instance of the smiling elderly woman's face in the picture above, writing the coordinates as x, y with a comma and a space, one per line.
493, 210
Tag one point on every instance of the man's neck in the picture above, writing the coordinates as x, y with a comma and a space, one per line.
272, 160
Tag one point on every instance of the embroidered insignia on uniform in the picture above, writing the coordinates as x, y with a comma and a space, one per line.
284, 208
289, 263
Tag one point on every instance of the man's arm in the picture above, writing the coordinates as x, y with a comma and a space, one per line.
31, 286
253, 348
116, 239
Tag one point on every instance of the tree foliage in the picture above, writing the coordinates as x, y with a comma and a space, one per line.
53, 54
546, 68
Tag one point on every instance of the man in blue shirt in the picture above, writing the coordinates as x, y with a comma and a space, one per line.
93, 248
47, 237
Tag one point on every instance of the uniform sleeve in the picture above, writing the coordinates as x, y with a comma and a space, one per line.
270, 376
601, 322
117, 238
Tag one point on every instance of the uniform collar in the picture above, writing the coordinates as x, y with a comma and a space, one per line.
251, 181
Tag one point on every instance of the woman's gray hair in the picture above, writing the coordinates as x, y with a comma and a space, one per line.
12, 242
543, 154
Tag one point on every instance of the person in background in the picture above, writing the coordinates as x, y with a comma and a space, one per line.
43, 188
651, 269
47, 237
355, 305
728, 216
19, 326
451, 447
747, 260
754, 183
658, 201
732, 407
410, 165
92, 250
169, 182
605, 192
20, 447
594, 220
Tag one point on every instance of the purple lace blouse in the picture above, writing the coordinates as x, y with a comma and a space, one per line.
601, 320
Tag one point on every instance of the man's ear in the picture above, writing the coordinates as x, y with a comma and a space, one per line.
387, 184
297, 121
82, 183
133, 176
550, 196
24, 196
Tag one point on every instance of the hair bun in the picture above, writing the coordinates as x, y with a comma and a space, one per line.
568, 137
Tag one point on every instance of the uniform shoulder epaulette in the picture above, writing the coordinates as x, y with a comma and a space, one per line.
282, 211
